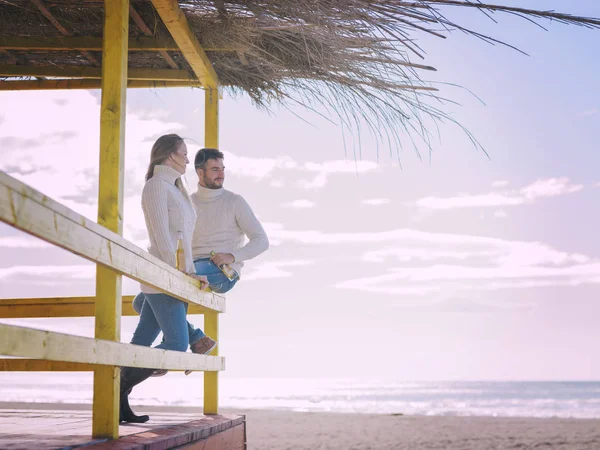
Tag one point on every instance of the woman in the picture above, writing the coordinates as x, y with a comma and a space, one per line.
168, 212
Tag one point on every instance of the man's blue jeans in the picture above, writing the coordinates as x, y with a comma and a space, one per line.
161, 312
218, 283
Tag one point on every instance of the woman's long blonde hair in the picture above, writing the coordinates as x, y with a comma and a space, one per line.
162, 148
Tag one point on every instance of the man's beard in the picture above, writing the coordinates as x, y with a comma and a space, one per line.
211, 185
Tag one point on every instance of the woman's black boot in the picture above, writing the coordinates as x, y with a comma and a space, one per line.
130, 377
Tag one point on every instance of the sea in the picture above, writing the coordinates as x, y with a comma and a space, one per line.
569, 399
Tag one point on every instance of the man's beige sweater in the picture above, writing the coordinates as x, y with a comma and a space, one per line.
224, 220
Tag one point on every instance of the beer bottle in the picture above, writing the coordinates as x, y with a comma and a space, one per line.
227, 270
179, 255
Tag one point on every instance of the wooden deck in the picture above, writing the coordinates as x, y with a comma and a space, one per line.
29, 426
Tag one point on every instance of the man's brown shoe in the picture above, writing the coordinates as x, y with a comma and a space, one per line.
204, 346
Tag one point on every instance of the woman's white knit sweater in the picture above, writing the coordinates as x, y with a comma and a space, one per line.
167, 211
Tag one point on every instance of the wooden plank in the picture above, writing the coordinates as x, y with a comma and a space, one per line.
48, 44
52, 346
105, 417
47, 85
28, 210
16, 308
40, 365
7, 70
231, 439
175, 21
216, 432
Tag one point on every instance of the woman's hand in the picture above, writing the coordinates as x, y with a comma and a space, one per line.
202, 279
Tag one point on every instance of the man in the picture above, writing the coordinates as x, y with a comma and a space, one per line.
224, 219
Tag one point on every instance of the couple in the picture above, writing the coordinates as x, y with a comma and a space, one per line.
210, 220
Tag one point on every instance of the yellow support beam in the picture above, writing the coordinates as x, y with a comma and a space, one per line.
51, 85
17, 308
211, 118
52, 346
46, 44
175, 21
211, 379
105, 409
211, 320
7, 70
28, 210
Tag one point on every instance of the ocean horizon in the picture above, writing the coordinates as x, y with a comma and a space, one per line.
540, 399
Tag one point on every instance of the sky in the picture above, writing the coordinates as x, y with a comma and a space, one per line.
450, 264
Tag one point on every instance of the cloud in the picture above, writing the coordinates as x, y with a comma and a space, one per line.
257, 168
300, 204
500, 214
468, 201
326, 168
274, 269
588, 113
376, 201
52, 275
273, 168
412, 262
551, 187
57, 158
52, 138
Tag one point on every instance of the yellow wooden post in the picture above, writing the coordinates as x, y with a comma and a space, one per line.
110, 207
211, 320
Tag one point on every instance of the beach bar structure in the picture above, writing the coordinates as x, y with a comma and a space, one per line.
351, 60
102, 59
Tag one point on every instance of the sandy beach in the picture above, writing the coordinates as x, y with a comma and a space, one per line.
276, 430
271, 430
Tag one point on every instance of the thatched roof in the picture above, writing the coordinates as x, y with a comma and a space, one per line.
359, 58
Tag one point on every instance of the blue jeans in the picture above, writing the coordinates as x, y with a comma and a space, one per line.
218, 283
161, 312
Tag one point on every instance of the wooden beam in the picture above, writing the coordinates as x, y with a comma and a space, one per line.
17, 308
47, 85
40, 365
137, 19
62, 30
52, 346
93, 73
32, 212
48, 44
175, 21
105, 408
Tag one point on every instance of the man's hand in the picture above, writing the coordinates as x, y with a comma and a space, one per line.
222, 258
202, 279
